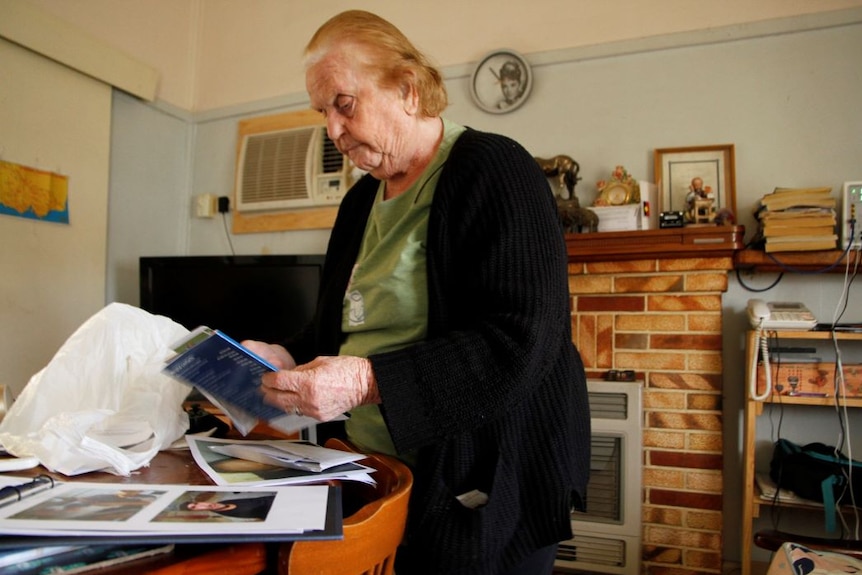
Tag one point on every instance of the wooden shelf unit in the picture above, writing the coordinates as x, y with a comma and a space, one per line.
751, 501
833, 261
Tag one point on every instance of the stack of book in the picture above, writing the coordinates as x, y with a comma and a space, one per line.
798, 219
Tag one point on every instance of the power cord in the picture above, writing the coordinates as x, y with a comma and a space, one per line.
224, 209
843, 441
775, 434
747, 287
227, 234
841, 304
757, 290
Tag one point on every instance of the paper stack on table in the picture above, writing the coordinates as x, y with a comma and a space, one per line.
274, 462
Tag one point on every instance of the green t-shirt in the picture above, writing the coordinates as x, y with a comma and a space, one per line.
386, 302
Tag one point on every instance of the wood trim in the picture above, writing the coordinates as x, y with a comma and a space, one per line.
58, 40
815, 261
686, 242
300, 219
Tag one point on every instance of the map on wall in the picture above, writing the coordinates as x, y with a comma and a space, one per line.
34, 194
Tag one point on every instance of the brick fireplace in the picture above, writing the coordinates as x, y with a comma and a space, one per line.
651, 301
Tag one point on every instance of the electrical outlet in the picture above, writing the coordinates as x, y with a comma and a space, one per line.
205, 205
851, 208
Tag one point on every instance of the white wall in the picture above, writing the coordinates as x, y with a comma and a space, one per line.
786, 101
162, 33
150, 177
212, 54
53, 277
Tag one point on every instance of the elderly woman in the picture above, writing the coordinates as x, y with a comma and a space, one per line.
443, 323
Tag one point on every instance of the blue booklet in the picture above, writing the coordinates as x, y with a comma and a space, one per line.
220, 366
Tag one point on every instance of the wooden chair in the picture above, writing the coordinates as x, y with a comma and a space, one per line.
374, 521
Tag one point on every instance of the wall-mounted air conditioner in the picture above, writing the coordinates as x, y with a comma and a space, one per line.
292, 168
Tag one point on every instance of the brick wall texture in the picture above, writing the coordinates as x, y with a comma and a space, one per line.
662, 318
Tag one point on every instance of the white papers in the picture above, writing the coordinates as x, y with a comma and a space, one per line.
261, 463
293, 454
767, 491
137, 509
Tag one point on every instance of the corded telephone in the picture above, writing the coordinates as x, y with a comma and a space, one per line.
773, 316
780, 315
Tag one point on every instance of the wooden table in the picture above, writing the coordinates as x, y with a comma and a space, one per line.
215, 558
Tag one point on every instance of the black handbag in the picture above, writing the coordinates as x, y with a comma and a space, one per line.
816, 472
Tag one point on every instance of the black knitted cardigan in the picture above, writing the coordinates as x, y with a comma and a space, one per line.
495, 398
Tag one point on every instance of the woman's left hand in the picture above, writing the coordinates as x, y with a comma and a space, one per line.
323, 388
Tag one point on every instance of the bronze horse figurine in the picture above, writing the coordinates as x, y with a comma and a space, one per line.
572, 216
564, 168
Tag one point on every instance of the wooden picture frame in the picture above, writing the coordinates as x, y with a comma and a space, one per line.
676, 167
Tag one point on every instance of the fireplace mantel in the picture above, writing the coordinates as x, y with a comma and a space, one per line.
690, 241
651, 302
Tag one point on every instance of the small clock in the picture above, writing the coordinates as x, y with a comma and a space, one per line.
616, 194
501, 82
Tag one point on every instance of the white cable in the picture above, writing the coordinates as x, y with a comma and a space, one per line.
845, 293
846, 417
841, 392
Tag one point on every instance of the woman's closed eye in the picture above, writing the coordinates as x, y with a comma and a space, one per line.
345, 105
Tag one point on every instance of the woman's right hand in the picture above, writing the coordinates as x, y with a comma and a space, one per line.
273, 353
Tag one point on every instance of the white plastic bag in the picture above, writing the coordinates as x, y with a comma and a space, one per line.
102, 402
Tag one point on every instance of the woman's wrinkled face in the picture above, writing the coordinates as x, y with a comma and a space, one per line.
365, 121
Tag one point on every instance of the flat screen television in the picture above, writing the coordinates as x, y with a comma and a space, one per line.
267, 297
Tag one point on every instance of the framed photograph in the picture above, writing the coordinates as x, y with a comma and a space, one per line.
676, 170
501, 82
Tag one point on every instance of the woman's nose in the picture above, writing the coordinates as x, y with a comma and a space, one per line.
334, 127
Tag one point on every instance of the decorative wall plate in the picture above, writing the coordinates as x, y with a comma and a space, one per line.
501, 82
